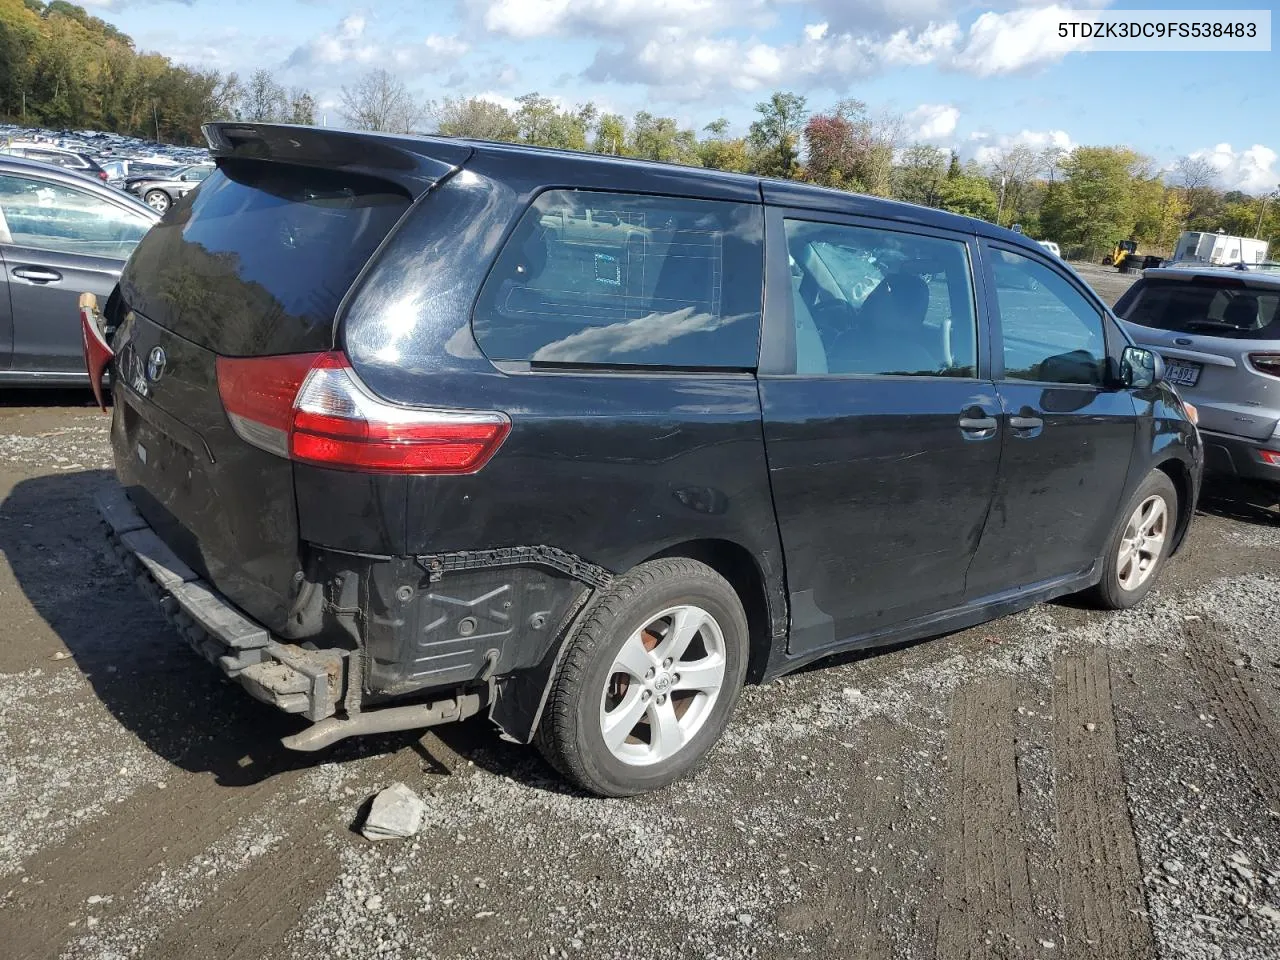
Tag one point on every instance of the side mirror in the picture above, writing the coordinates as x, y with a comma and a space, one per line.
1141, 368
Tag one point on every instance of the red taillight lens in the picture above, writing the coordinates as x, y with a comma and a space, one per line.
1268, 363
102, 175
97, 353
1271, 457
258, 395
311, 408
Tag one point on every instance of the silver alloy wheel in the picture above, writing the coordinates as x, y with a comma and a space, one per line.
1143, 542
663, 685
157, 200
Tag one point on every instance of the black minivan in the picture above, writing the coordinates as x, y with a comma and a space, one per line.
410, 429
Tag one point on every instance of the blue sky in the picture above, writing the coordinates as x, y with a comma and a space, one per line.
975, 77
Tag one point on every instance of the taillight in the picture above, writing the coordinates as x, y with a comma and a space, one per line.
1268, 363
97, 352
311, 408
102, 175
1271, 457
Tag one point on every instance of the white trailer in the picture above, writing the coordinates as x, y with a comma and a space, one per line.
1218, 249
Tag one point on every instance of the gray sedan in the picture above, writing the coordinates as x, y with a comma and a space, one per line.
61, 234
162, 190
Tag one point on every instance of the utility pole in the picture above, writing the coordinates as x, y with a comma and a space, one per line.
156, 116
1000, 205
1262, 209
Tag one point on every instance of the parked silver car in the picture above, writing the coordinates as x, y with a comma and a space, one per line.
1218, 330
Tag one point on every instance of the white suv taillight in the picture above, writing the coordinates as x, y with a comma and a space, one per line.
312, 408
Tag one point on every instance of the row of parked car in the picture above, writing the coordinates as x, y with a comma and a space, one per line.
124, 162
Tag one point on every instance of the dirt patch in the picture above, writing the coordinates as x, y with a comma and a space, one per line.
945, 799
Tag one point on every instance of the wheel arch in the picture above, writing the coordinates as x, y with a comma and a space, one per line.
1180, 475
746, 575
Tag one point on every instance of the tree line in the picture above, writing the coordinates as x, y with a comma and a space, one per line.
1086, 199
64, 69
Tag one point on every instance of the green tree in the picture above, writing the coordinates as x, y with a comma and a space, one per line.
968, 194
660, 138
475, 118
302, 107
611, 134
775, 137
541, 123
921, 174
1093, 205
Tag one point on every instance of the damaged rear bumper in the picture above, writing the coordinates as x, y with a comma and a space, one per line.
431, 633
295, 679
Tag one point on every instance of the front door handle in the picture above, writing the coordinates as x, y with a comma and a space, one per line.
1025, 423
977, 423
37, 274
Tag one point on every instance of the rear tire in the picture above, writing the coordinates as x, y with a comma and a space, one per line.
158, 201
649, 680
1140, 545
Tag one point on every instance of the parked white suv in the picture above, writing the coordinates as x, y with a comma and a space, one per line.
1219, 333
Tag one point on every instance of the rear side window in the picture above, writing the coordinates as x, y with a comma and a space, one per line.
614, 279
258, 260
1228, 309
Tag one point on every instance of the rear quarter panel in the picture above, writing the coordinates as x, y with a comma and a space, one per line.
612, 467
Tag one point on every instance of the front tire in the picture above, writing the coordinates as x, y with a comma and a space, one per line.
649, 680
157, 200
1140, 545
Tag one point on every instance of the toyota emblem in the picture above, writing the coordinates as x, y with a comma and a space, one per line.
156, 360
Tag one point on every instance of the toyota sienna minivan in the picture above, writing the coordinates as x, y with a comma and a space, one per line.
412, 429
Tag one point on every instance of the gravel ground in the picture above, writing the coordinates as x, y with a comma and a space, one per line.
1061, 783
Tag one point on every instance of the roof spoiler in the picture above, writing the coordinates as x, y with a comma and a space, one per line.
413, 163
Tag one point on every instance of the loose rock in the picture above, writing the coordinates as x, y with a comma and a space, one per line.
396, 812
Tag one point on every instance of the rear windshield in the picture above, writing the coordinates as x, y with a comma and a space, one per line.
257, 260
1188, 306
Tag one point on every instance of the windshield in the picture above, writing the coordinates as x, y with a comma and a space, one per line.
1208, 308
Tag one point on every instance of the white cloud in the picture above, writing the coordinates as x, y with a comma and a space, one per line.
686, 65
1035, 139
1252, 170
353, 43
688, 57
933, 121
541, 18
345, 44
446, 46
1009, 42
507, 103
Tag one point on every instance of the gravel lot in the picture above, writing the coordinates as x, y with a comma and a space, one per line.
1060, 783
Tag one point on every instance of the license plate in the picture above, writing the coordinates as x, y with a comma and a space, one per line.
1185, 373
